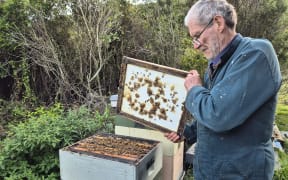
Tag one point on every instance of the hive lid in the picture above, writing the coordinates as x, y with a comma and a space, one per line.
152, 95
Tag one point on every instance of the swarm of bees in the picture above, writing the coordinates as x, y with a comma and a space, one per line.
149, 96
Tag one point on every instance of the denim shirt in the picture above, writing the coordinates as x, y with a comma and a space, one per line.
234, 113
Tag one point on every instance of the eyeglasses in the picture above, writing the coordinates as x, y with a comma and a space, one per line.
195, 40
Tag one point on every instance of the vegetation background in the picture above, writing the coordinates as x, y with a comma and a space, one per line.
60, 61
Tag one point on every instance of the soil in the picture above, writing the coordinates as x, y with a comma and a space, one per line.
115, 146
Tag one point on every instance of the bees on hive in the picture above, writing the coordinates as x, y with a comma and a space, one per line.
150, 96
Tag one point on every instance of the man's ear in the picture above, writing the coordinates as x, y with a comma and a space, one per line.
220, 23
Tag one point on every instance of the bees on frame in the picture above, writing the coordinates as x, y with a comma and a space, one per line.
153, 96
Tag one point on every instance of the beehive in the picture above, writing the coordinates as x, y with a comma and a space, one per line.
107, 156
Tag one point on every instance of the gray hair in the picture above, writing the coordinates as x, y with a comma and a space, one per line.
204, 10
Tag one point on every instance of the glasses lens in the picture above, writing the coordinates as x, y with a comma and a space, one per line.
196, 42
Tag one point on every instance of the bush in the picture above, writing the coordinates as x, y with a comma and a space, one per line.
11, 112
30, 150
191, 59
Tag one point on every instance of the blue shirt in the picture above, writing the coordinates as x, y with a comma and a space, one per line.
234, 113
217, 59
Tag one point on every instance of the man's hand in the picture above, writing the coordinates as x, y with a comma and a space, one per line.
173, 136
192, 79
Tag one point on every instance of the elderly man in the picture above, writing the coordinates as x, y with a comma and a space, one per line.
234, 107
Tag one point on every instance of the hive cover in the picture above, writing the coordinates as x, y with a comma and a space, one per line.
152, 95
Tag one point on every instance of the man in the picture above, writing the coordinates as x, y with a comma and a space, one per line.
234, 107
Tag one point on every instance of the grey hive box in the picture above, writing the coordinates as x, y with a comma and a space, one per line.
78, 162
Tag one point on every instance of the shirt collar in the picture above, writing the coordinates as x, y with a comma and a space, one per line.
226, 53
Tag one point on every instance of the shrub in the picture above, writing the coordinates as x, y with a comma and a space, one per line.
192, 59
11, 112
30, 151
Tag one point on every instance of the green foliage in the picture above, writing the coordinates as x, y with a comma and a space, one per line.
22, 89
282, 173
192, 59
282, 123
154, 32
30, 151
283, 92
189, 174
280, 44
281, 117
11, 112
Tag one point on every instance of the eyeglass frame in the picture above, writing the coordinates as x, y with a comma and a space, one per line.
195, 40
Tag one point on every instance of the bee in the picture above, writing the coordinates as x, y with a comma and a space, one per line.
143, 112
148, 81
149, 91
132, 104
164, 100
157, 82
175, 100
173, 109
157, 104
137, 95
162, 116
161, 91
163, 111
129, 98
157, 96
136, 85
173, 94
172, 87
142, 105
151, 100
140, 79
130, 88
153, 110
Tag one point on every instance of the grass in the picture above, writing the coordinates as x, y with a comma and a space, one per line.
282, 117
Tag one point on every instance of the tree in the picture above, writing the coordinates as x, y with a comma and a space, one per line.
72, 49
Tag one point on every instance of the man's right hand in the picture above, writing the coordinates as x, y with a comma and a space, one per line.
173, 136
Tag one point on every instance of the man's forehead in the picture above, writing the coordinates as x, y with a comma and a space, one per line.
194, 22
194, 25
